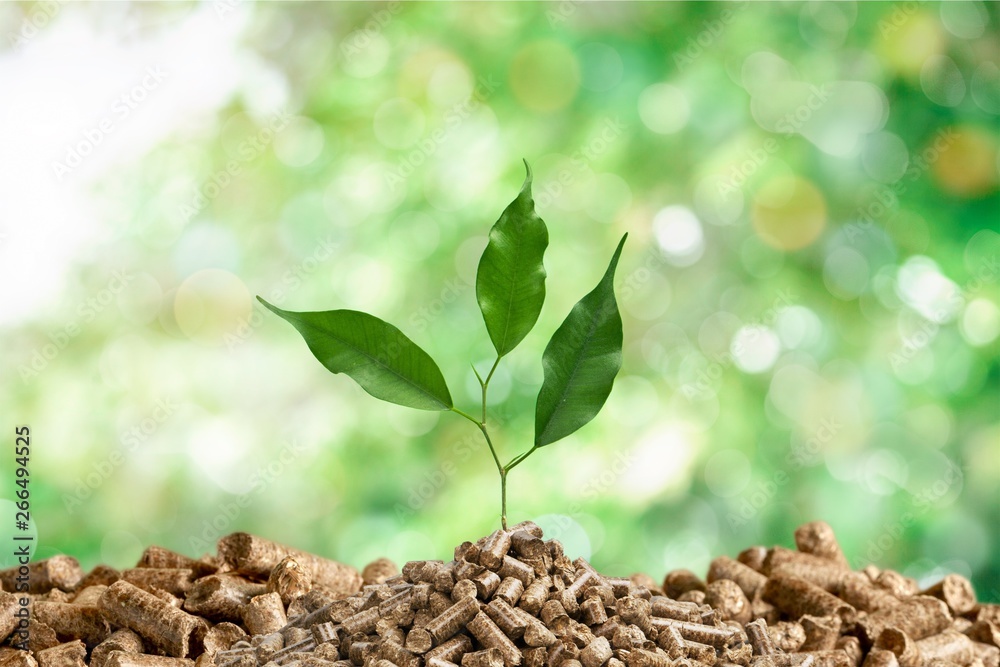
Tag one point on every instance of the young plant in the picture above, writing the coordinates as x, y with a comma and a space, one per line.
579, 363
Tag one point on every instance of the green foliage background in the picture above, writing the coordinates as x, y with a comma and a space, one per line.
810, 288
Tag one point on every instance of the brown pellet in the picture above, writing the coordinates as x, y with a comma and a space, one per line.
535, 632
89, 596
527, 545
363, 622
158, 557
490, 657
948, 645
486, 584
753, 557
919, 616
852, 647
512, 567
61, 572
264, 614
123, 641
451, 650
669, 639
13, 658
123, 659
535, 595
453, 619
749, 580
702, 653
176, 581
169, 629
418, 640
816, 659
901, 645
880, 658
797, 597
220, 637
592, 611
9, 604
759, 638
73, 621
494, 549
824, 573
510, 590
256, 556
101, 575
289, 580
506, 618
728, 599
377, 571
466, 588
718, 637
817, 538
821, 632
490, 636
899, 585
665, 607
221, 597
647, 658
596, 653
70, 654
787, 636
267, 645
955, 591
678, 582
860, 592
553, 614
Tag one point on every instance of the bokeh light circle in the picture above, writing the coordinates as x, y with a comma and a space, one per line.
789, 212
601, 67
300, 142
942, 82
398, 123
727, 473
885, 157
846, 273
663, 108
210, 305
679, 235
544, 75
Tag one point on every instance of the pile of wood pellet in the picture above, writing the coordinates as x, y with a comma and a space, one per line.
508, 600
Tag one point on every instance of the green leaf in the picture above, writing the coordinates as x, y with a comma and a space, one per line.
580, 362
375, 354
510, 283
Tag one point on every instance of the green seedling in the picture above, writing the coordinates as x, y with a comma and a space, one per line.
579, 363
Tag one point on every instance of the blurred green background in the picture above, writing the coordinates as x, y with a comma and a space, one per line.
809, 291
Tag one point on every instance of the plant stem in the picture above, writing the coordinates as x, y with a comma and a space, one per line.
481, 423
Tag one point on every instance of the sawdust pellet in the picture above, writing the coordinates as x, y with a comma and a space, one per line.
70, 654
955, 591
264, 614
919, 616
797, 597
880, 658
596, 653
506, 618
123, 659
171, 630
824, 573
73, 621
490, 657
289, 580
123, 641
749, 580
62, 572
758, 637
817, 538
377, 571
821, 632
729, 600
222, 636
496, 546
257, 556
221, 597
